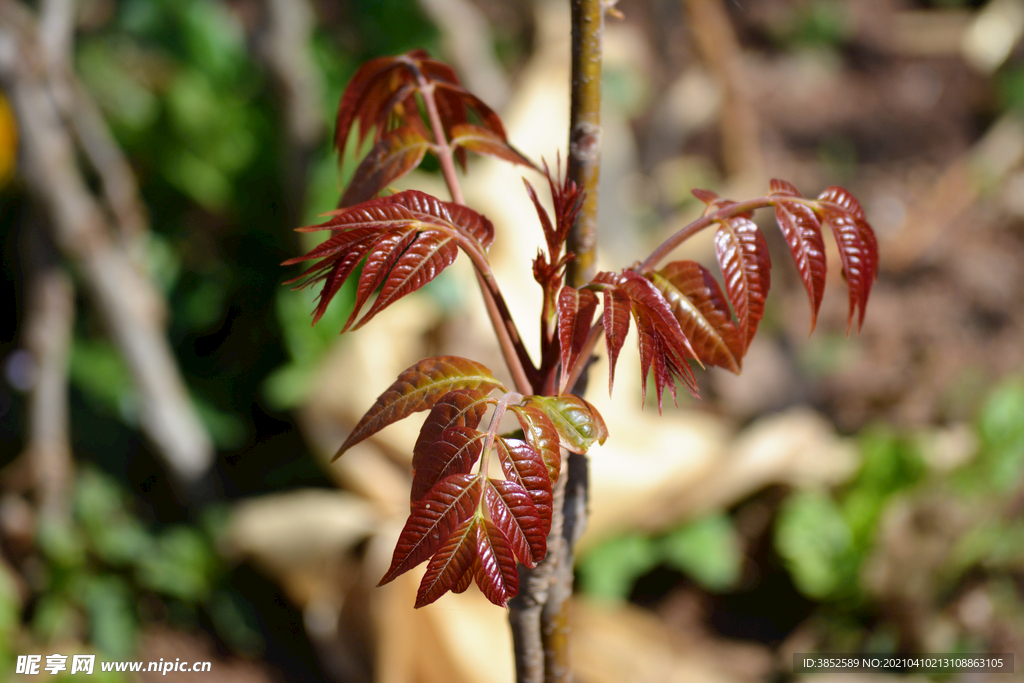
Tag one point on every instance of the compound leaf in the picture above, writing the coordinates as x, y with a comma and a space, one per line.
407, 240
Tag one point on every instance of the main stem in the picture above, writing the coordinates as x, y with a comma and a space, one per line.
539, 614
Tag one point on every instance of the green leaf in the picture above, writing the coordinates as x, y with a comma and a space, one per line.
707, 550
112, 619
577, 422
816, 544
610, 570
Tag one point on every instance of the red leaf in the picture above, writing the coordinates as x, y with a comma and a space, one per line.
410, 238
513, 512
746, 265
577, 423
463, 407
386, 251
466, 580
375, 91
802, 230
616, 326
422, 260
575, 313
448, 567
451, 93
485, 141
703, 313
452, 501
496, 573
454, 452
398, 152
714, 202
419, 388
662, 345
430, 209
706, 196
522, 464
540, 433
858, 248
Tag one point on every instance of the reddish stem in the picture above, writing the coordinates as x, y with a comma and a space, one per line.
517, 358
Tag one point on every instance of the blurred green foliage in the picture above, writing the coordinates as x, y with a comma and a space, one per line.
707, 550
193, 107
103, 569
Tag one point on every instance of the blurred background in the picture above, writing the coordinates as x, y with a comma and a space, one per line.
168, 414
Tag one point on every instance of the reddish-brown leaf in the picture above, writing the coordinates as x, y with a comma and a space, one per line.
802, 230
432, 210
616, 327
463, 407
453, 559
858, 247
703, 313
455, 451
449, 94
540, 433
496, 572
466, 580
380, 261
376, 90
663, 348
421, 261
522, 464
419, 388
706, 196
335, 271
746, 266
577, 423
407, 240
576, 309
714, 202
485, 141
513, 512
452, 501
398, 152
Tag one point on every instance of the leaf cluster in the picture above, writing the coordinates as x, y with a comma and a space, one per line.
468, 525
